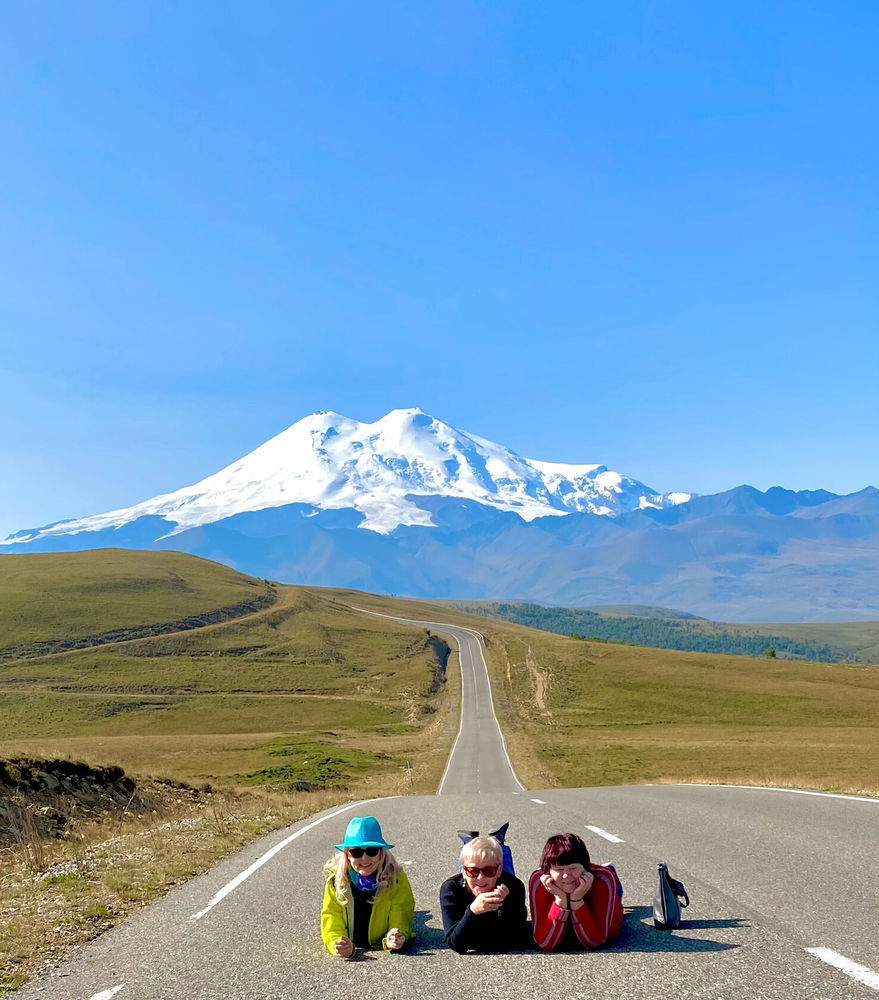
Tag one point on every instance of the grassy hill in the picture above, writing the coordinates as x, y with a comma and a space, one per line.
309, 693
77, 595
576, 712
856, 642
302, 693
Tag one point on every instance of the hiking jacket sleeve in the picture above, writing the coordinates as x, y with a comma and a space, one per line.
392, 907
334, 918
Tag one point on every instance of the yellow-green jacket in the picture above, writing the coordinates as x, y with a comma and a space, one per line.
392, 907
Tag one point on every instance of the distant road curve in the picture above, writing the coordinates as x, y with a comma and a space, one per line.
479, 762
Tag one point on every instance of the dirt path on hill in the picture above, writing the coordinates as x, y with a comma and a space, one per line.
47, 647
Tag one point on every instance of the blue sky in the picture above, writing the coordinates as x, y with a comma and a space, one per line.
640, 233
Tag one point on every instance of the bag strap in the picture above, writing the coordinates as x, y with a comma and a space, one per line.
678, 889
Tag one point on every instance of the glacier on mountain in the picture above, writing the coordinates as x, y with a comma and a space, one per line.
380, 469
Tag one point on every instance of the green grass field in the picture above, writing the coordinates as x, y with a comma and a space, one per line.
215, 703
590, 713
68, 595
599, 713
347, 695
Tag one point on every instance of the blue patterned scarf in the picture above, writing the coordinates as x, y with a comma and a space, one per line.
366, 883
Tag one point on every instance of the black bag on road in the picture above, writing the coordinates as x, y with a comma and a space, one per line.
670, 897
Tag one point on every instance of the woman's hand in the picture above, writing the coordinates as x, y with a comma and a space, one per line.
487, 902
583, 886
344, 947
556, 890
395, 939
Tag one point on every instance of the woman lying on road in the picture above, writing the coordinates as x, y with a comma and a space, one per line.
367, 899
574, 904
483, 906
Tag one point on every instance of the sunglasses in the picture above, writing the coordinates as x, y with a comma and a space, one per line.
358, 852
489, 871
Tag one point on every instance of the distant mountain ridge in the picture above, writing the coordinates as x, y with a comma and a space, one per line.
410, 505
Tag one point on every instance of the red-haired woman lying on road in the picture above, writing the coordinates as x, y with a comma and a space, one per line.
574, 903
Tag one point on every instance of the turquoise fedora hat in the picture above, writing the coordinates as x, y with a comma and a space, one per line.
363, 831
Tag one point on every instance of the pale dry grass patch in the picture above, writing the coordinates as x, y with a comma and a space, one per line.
67, 891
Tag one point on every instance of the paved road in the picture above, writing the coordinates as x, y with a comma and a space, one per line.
479, 763
770, 873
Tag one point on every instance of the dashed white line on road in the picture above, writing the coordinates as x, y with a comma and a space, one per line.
860, 972
270, 854
107, 994
540, 802
607, 836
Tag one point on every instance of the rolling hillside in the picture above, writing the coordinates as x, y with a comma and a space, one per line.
300, 693
64, 596
308, 693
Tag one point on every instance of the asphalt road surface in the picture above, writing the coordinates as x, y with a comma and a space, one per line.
784, 891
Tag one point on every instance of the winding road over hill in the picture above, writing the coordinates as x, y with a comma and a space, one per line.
784, 889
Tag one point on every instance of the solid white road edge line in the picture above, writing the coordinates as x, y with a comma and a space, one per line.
107, 994
494, 714
230, 886
607, 836
860, 972
472, 631
439, 790
792, 791
411, 621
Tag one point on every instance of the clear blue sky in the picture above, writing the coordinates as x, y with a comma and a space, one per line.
636, 233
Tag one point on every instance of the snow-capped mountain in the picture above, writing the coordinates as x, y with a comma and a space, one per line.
448, 514
331, 462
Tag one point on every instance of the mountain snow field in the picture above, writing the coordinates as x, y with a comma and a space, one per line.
332, 462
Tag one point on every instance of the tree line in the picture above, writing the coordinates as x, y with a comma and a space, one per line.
666, 633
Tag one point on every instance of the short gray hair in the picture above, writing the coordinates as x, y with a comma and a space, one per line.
482, 849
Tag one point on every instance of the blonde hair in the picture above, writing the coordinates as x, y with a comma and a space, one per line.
385, 876
482, 849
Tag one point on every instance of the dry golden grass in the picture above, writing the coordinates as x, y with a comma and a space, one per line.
304, 690
583, 713
619, 714
251, 698
59, 893
218, 703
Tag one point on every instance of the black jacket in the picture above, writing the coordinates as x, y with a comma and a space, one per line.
505, 929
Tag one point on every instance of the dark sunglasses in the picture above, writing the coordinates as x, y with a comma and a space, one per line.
358, 852
487, 870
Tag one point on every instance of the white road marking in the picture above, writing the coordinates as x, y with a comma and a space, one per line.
472, 631
792, 791
439, 791
411, 621
540, 802
499, 731
860, 972
107, 994
230, 886
607, 836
